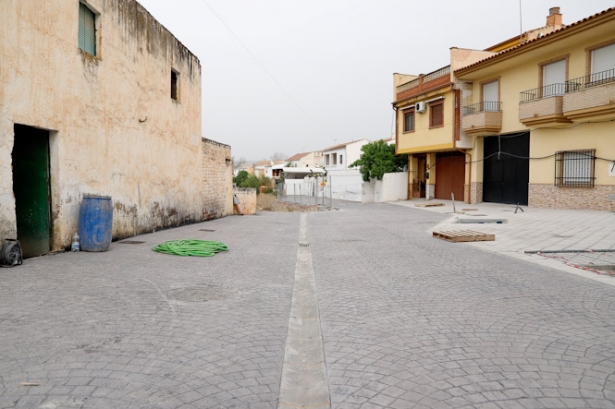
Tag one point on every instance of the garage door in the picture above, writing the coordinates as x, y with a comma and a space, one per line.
450, 175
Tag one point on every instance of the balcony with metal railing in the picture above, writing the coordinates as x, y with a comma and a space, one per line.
544, 105
593, 97
482, 118
560, 103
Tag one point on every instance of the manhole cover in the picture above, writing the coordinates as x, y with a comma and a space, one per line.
201, 294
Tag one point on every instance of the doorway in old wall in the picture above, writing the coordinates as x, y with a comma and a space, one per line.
31, 188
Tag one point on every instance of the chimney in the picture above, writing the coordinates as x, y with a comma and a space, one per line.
555, 17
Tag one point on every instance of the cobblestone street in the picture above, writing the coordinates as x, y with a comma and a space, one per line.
407, 320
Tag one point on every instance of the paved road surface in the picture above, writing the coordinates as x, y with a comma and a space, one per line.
407, 321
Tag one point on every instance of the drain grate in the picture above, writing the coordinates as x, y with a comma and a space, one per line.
209, 230
131, 242
304, 244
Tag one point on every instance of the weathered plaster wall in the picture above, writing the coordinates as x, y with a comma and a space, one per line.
247, 199
115, 128
217, 182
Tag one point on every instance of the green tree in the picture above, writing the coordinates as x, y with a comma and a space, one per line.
251, 181
265, 181
241, 177
379, 158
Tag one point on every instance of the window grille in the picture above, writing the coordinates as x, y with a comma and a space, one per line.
575, 168
87, 30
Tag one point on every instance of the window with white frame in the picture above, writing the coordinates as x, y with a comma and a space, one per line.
553, 78
575, 168
87, 30
491, 96
603, 64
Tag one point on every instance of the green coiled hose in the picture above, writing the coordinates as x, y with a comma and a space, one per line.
191, 247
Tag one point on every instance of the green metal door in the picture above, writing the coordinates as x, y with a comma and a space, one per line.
31, 189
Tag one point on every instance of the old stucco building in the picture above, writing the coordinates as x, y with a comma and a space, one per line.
96, 97
217, 182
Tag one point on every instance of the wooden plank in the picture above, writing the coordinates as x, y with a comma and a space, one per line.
458, 236
428, 204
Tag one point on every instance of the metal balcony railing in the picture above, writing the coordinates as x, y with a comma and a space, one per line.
572, 85
485, 106
599, 78
547, 91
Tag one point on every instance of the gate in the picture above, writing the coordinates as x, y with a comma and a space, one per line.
506, 169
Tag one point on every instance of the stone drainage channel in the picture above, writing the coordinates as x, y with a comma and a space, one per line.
304, 375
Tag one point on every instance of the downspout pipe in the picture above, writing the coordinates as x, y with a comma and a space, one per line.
396, 128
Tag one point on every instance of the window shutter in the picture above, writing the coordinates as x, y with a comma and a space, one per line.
491, 92
87, 30
436, 114
552, 75
603, 59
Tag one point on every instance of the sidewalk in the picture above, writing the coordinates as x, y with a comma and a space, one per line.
557, 233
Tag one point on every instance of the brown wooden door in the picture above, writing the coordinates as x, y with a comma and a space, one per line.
418, 182
450, 175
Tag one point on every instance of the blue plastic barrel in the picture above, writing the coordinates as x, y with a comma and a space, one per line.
95, 223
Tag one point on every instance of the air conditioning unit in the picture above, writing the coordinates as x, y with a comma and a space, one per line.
420, 106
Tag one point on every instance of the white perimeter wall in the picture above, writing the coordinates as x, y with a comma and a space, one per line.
348, 185
345, 184
392, 187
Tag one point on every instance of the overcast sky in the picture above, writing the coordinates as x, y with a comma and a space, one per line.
294, 76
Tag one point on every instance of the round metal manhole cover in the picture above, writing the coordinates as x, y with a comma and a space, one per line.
201, 294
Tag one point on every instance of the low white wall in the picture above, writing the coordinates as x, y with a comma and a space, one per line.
345, 184
301, 187
349, 185
392, 187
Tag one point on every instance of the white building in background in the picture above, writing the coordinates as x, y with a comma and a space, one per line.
338, 157
305, 160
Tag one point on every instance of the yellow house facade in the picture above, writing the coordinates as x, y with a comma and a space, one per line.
427, 128
540, 118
